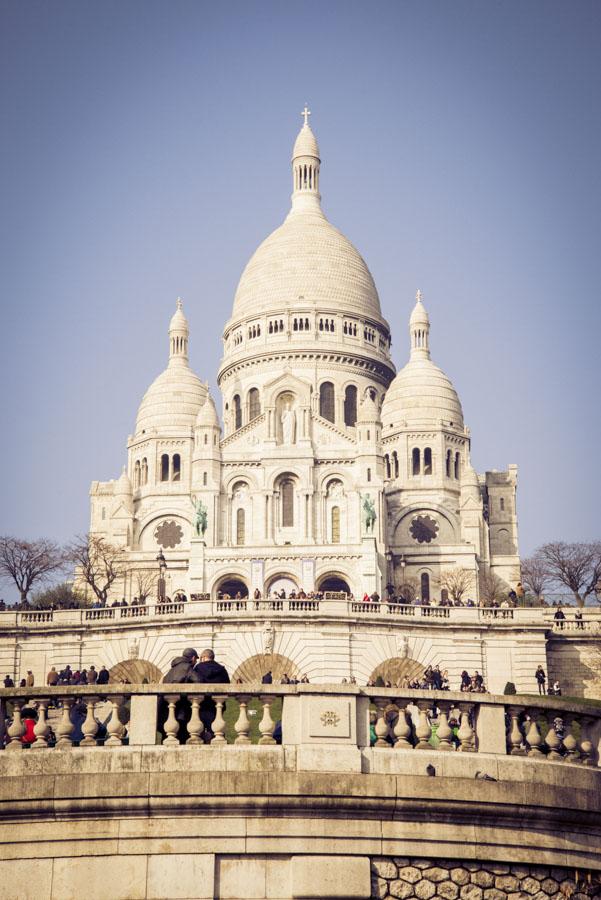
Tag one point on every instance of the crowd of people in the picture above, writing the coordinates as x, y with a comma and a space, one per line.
66, 676
434, 678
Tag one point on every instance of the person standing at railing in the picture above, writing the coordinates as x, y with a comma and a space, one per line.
559, 617
52, 677
103, 676
209, 671
578, 619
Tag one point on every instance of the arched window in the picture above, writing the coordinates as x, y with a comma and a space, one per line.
204, 479
335, 524
326, 401
350, 405
444, 595
240, 527
287, 491
428, 461
457, 465
415, 461
448, 464
206, 439
425, 586
395, 461
137, 471
387, 462
177, 467
164, 467
144, 471
502, 504
237, 412
254, 404
369, 474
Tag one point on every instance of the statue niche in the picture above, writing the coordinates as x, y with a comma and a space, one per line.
286, 418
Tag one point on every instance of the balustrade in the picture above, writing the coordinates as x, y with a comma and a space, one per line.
548, 730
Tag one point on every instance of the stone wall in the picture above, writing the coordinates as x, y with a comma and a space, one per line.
406, 878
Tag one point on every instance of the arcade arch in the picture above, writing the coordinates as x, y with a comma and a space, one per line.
252, 670
135, 671
396, 669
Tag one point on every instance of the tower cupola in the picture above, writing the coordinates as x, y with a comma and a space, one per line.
305, 168
178, 336
419, 329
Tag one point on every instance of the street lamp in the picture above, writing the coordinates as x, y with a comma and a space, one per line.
161, 585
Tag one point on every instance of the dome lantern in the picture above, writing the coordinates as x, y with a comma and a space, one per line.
178, 336
419, 330
305, 167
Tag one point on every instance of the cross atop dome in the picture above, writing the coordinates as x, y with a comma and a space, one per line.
419, 296
306, 113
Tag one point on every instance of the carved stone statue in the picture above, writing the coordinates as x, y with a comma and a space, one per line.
369, 514
201, 519
268, 639
288, 419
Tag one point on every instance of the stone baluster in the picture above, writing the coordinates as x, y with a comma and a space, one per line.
466, 732
381, 726
569, 742
423, 728
114, 728
41, 727
64, 728
242, 725
16, 729
89, 728
266, 725
444, 732
402, 729
533, 735
195, 726
219, 721
171, 725
586, 744
515, 732
553, 742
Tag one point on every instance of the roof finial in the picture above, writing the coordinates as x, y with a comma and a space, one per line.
180, 305
418, 296
306, 113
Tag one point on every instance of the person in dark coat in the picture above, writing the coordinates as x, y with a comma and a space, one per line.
267, 678
103, 676
209, 672
182, 669
181, 672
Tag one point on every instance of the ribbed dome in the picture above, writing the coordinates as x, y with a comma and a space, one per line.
123, 484
421, 394
306, 257
306, 143
208, 414
172, 400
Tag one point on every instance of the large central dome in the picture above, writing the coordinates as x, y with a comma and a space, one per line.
306, 258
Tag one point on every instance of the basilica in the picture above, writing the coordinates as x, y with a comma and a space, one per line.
327, 470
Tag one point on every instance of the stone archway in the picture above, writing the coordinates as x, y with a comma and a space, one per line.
334, 582
232, 585
251, 671
396, 669
135, 671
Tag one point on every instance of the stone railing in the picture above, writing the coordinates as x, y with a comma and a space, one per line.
318, 715
333, 603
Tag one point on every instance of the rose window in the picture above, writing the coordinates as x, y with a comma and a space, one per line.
424, 529
168, 534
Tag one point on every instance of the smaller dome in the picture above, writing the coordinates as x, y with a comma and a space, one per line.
173, 400
123, 484
469, 477
306, 143
419, 316
207, 415
421, 394
178, 320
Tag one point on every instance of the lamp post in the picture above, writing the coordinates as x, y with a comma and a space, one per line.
161, 585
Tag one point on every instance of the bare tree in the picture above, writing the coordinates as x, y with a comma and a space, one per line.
575, 566
146, 583
29, 562
492, 588
98, 561
535, 575
457, 582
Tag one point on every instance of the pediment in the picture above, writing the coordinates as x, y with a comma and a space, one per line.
325, 435
121, 512
287, 381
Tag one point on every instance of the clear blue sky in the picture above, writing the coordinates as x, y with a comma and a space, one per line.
145, 153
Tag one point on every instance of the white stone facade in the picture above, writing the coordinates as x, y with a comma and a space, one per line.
315, 421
